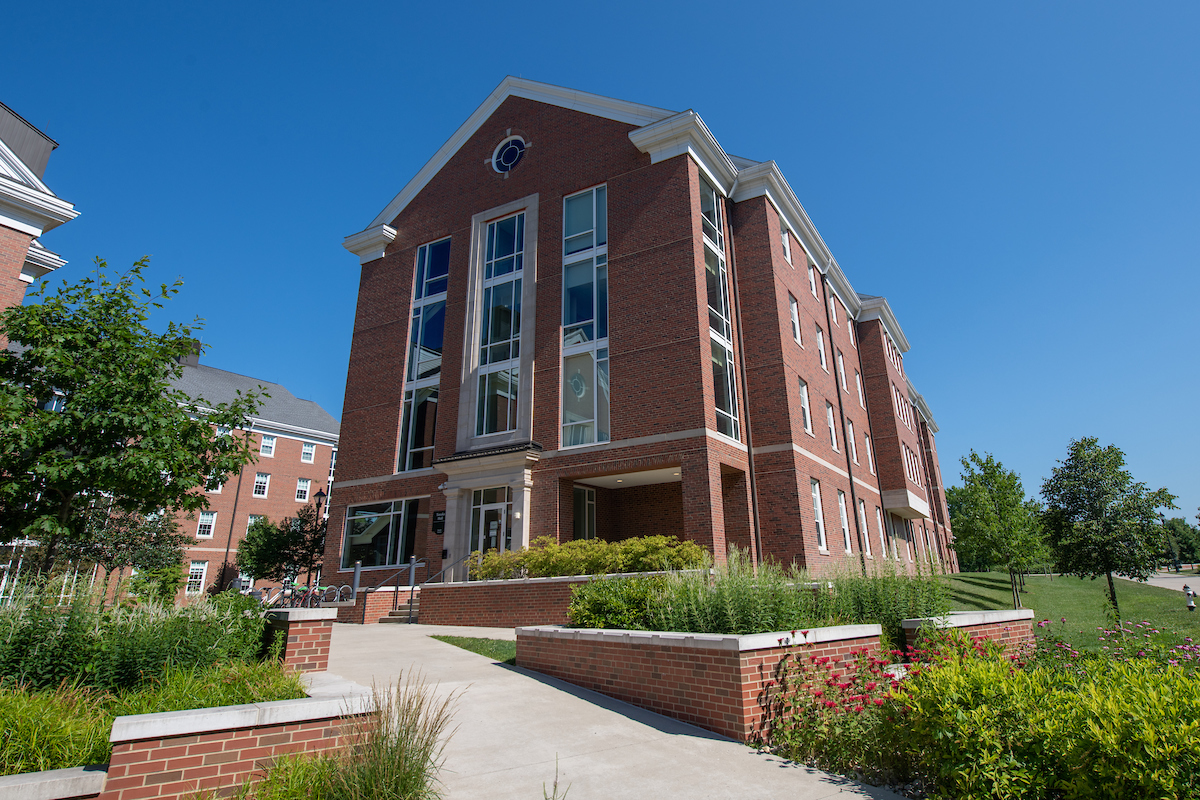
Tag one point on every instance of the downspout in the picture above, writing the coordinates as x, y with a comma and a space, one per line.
737, 310
837, 380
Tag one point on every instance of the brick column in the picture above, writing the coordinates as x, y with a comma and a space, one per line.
307, 633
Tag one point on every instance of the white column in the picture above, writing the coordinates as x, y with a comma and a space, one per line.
458, 522
522, 492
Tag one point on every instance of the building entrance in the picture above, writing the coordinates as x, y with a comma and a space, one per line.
491, 519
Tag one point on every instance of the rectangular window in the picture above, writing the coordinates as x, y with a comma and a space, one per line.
308, 452
804, 408
214, 489
818, 516
723, 389
841, 371
821, 348
426, 341
870, 457
883, 548
850, 330
833, 307
262, 481
197, 577
253, 519
862, 400
795, 310
382, 534
208, 523
710, 213
786, 241
845, 520
500, 331
302, 487
832, 428
850, 441
585, 389
719, 319
585, 513
862, 525
417, 428
267, 447
812, 280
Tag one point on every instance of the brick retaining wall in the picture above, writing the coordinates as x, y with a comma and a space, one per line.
499, 604
307, 632
369, 606
716, 682
1013, 629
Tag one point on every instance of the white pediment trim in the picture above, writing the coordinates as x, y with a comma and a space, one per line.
586, 102
370, 244
878, 308
686, 133
918, 400
39, 262
31, 210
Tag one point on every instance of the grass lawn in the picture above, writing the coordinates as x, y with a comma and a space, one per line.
1080, 601
500, 650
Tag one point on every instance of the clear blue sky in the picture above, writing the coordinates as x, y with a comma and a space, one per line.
1022, 181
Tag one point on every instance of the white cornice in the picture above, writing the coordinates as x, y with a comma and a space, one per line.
687, 133
39, 261
11, 166
922, 407
31, 210
607, 107
371, 243
878, 308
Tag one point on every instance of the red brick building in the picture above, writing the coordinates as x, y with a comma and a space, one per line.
296, 444
582, 318
27, 208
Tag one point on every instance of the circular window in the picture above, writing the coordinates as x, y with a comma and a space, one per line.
508, 154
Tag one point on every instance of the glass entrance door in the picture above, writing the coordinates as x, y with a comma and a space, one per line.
490, 520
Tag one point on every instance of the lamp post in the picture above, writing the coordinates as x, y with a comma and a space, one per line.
320, 498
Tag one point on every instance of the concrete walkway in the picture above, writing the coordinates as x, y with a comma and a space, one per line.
1172, 581
514, 723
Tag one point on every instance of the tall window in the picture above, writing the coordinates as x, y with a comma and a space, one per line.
850, 442
870, 457
862, 400
804, 407
883, 548
833, 307
821, 348
208, 523
253, 519
850, 329
302, 487
585, 390
382, 534
862, 524
267, 447
817, 514
262, 482
832, 428
812, 280
500, 331
585, 512
308, 452
424, 371
841, 365
845, 520
795, 309
720, 327
197, 577
786, 241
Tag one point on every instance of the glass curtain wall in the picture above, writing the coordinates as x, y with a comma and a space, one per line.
500, 331
720, 326
424, 357
585, 389
382, 534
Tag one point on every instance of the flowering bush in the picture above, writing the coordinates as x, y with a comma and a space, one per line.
1121, 642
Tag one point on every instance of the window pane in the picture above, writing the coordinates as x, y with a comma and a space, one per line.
438, 267
432, 332
718, 304
367, 539
577, 216
579, 388
577, 293
602, 424
506, 237
602, 215
602, 302
723, 390
498, 402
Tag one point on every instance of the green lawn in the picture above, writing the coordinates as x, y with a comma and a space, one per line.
497, 649
1080, 601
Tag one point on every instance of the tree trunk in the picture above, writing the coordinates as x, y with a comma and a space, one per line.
1021, 576
1112, 596
1016, 594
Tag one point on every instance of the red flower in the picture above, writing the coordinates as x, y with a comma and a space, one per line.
830, 704
878, 701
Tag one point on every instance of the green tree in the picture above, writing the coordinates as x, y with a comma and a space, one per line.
994, 523
1183, 541
87, 410
281, 552
1099, 520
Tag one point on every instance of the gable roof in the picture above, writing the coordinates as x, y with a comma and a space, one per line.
282, 409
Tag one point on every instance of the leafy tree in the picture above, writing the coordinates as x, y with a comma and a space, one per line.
994, 523
87, 410
1183, 541
116, 539
1099, 520
281, 552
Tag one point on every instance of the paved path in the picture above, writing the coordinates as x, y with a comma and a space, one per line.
513, 723
1169, 580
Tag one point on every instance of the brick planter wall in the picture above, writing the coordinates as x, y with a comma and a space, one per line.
1013, 629
369, 606
499, 604
307, 632
720, 683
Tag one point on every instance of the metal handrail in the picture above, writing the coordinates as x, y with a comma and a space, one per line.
412, 589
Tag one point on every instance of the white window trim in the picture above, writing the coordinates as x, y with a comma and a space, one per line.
266, 486
203, 579
819, 516
851, 440
866, 530
212, 525
883, 548
313, 452
841, 367
821, 348
862, 400
870, 455
785, 239
263, 443
794, 311
307, 482
832, 424
805, 407
812, 280
845, 520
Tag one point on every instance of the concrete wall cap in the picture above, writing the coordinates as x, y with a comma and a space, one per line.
706, 641
302, 614
55, 783
337, 697
966, 619
555, 579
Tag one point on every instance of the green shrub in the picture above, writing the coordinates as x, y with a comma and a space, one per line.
982, 728
735, 599
69, 726
42, 645
546, 558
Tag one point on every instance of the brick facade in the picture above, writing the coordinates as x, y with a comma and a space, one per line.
666, 468
306, 635
721, 683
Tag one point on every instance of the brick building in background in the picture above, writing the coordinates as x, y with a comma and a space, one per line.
296, 445
583, 318
27, 208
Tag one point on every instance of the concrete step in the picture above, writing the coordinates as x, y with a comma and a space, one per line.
399, 620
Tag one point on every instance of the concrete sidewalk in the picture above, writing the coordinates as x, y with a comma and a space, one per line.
514, 723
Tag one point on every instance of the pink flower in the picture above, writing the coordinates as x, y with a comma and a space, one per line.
878, 701
830, 704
